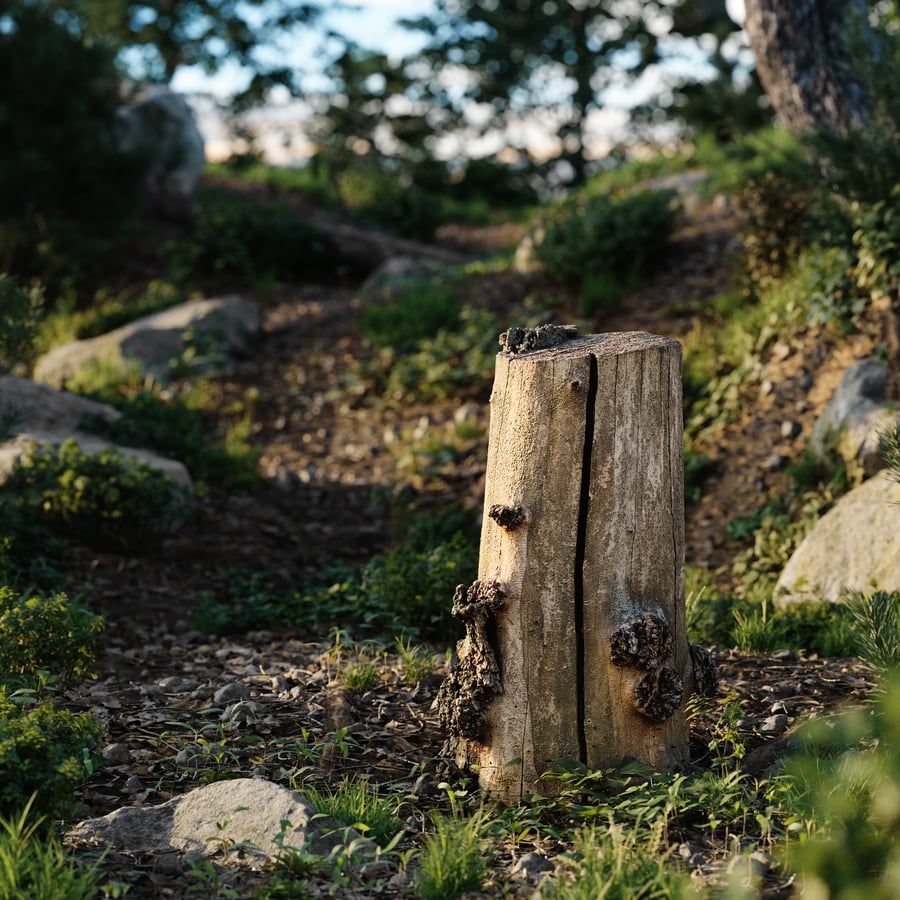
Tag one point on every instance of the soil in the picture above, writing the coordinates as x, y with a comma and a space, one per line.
329, 475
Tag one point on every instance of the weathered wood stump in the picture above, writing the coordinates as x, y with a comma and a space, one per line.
575, 642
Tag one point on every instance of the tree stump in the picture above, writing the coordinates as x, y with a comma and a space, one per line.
575, 642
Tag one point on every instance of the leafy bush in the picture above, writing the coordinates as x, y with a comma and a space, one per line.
419, 311
102, 500
19, 322
56, 634
234, 239
406, 591
606, 244
45, 752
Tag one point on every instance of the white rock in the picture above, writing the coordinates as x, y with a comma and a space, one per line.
853, 546
224, 813
152, 341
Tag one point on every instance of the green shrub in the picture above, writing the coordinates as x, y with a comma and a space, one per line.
45, 752
65, 188
419, 311
237, 240
101, 500
33, 863
876, 619
19, 322
452, 862
56, 634
605, 244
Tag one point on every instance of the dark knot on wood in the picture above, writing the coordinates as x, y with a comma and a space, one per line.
521, 340
644, 642
706, 675
466, 691
508, 517
658, 694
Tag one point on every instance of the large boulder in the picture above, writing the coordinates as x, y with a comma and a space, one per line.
258, 815
222, 325
43, 415
855, 418
854, 546
159, 124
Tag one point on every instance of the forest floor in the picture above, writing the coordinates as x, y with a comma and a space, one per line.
328, 477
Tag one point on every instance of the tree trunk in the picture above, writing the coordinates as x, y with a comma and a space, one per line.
575, 641
801, 59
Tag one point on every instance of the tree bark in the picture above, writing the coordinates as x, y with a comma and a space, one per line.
575, 641
801, 60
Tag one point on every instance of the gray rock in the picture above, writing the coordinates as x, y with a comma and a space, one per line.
229, 693
853, 546
525, 259
790, 429
776, 724
530, 867
116, 754
228, 324
397, 275
47, 416
159, 124
224, 813
855, 418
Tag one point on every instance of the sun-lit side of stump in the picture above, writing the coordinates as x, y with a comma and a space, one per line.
575, 642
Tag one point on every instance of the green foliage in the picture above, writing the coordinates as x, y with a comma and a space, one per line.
876, 617
357, 803
34, 864
403, 591
236, 240
876, 242
696, 468
776, 226
606, 244
418, 661
846, 785
64, 186
103, 500
44, 752
360, 675
617, 863
52, 633
176, 425
452, 861
420, 310
19, 323
890, 450
455, 362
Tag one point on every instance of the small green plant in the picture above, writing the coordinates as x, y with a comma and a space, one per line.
876, 617
103, 499
890, 451
452, 860
358, 804
33, 863
605, 244
22, 310
618, 863
418, 661
418, 312
51, 633
360, 675
45, 752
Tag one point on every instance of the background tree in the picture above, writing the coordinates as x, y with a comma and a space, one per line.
153, 39
803, 62
519, 58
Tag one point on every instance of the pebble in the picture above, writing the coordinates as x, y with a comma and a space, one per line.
228, 693
134, 785
777, 461
116, 754
790, 429
766, 388
530, 867
776, 724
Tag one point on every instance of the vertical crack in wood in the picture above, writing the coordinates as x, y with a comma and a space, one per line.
584, 505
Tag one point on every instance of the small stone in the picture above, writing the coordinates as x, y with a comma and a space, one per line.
242, 712
781, 351
116, 754
237, 690
779, 707
776, 461
774, 725
790, 429
133, 785
806, 382
785, 655
530, 867
755, 865
766, 388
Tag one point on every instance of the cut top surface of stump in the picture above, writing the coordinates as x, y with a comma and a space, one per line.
612, 344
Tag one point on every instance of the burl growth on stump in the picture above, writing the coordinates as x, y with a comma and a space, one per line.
575, 642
